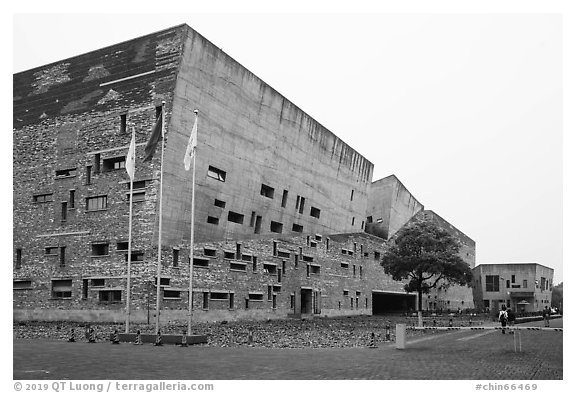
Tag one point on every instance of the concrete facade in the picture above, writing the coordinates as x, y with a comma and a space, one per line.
390, 207
265, 172
524, 287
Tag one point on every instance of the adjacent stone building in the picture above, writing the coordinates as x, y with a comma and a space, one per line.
287, 219
523, 287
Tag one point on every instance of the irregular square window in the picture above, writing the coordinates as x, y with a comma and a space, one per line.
61, 289
276, 227
235, 217
267, 191
315, 212
213, 220
216, 173
99, 249
114, 163
219, 203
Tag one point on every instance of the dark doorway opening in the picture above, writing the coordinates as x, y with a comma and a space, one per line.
390, 302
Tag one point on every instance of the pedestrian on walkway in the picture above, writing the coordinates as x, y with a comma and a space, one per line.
503, 318
546, 316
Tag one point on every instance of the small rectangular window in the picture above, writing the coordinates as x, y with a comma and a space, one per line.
258, 225
229, 255
114, 163
97, 282
297, 201
109, 297
123, 119
315, 212
276, 227
235, 217
72, 198
62, 256
513, 279
122, 246
231, 301
175, 257
136, 256
302, 201
42, 198
254, 264
18, 258
200, 262
270, 268
89, 174
61, 289
164, 281
218, 295
171, 294
99, 249
267, 191
51, 251
315, 269
216, 173
219, 203
205, 300
137, 196
369, 220
297, 228
64, 211
212, 220
209, 252
97, 203
255, 296
284, 198
252, 219
66, 173
376, 255
238, 266
97, 163
22, 284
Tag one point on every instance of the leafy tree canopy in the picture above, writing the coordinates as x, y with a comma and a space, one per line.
427, 256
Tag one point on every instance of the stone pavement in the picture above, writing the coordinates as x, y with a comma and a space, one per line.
459, 355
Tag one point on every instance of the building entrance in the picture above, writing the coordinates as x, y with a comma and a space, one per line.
392, 302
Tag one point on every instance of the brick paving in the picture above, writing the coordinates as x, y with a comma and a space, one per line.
453, 355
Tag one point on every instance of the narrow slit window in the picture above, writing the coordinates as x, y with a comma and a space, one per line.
284, 198
123, 118
72, 198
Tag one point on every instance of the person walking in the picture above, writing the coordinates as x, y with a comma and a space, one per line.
503, 318
546, 316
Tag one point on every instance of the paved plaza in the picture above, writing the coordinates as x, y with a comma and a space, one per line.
459, 355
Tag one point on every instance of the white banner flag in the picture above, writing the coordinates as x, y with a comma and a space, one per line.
191, 145
131, 157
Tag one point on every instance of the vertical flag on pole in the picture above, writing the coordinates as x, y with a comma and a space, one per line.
131, 157
192, 142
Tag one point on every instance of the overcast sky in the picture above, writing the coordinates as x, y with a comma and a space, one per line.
465, 109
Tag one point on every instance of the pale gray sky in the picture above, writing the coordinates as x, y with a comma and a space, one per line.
466, 109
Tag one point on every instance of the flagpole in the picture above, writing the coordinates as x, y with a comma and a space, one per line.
190, 290
127, 330
158, 272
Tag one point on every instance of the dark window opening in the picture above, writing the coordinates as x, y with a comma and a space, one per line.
61, 289
283, 254
254, 264
51, 250
164, 281
96, 163
97, 203
315, 269
492, 283
258, 225
212, 220
89, 174
122, 246
315, 212
369, 220
135, 256
200, 262
66, 172
353, 218
297, 228
302, 201
62, 256
269, 267
18, 258
205, 300
255, 296
64, 211
252, 218
231, 301
216, 173
235, 217
228, 255
85, 289
137, 196
42, 198
238, 251
175, 257
274, 248
352, 195
238, 266
97, 282
513, 278
72, 198
113, 164
210, 252
99, 249
219, 203
218, 295
110, 296
123, 118
276, 227
284, 198
267, 191
297, 202
171, 294
296, 261
376, 255
158, 112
